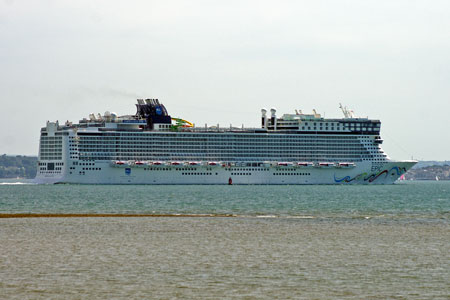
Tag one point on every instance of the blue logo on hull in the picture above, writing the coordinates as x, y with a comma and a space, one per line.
372, 177
127, 171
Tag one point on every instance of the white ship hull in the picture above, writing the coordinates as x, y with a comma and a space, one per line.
148, 148
104, 173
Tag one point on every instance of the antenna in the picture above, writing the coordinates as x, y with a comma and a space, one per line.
352, 113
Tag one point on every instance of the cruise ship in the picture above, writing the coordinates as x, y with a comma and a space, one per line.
151, 147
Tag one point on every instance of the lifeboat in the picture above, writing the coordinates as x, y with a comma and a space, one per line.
118, 163
304, 164
158, 164
139, 163
213, 163
285, 164
176, 163
345, 165
194, 163
228, 165
325, 165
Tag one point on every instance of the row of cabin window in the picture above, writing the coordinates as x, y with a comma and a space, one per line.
301, 174
218, 139
207, 173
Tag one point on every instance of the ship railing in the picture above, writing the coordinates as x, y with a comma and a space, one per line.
219, 129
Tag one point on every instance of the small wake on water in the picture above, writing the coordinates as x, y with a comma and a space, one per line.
16, 183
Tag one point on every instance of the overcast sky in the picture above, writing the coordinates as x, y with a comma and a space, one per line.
222, 61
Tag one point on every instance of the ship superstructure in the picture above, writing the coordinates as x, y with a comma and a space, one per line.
151, 147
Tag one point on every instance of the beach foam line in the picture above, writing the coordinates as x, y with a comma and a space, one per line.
100, 215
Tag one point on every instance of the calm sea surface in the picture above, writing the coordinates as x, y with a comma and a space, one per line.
282, 242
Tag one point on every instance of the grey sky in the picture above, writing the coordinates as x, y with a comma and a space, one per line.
221, 61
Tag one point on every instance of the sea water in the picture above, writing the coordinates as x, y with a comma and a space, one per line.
226, 242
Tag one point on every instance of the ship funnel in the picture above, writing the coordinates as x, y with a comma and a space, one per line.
264, 118
273, 119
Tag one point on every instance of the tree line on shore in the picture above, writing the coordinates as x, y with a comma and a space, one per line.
434, 172
18, 166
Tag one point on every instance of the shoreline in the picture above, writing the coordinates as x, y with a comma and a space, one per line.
103, 215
